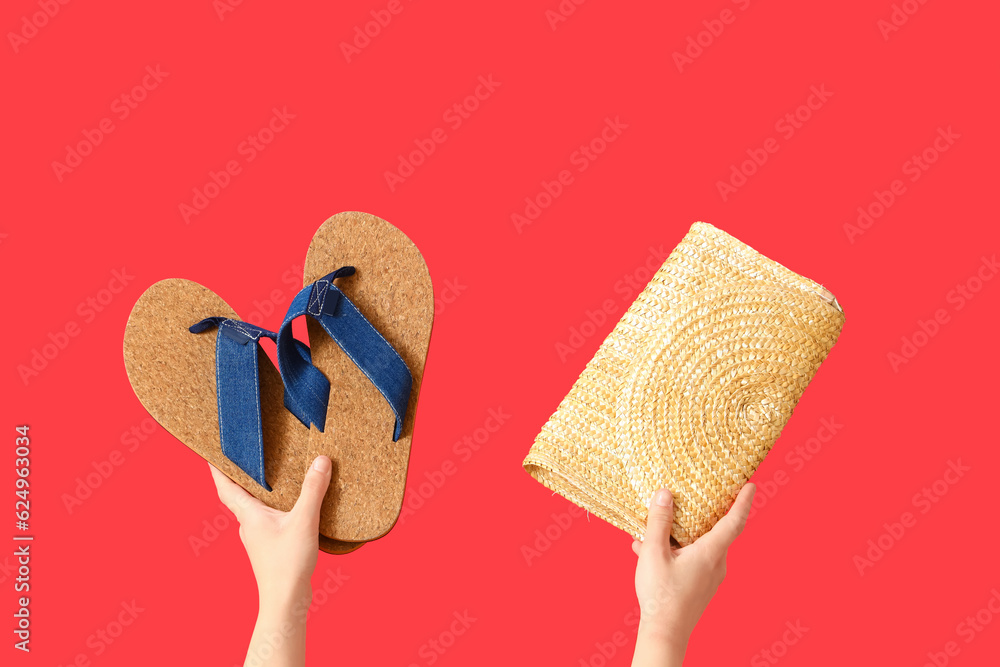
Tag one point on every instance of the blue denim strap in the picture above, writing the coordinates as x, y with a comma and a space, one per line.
238, 391
363, 344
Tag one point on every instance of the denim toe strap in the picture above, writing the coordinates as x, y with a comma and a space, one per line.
307, 388
237, 381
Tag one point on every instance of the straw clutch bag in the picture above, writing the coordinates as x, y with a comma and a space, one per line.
691, 388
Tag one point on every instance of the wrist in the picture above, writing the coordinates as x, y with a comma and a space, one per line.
654, 634
290, 604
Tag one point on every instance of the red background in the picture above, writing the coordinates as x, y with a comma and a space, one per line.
494, 344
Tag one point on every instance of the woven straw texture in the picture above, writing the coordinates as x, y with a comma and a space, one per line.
691, 388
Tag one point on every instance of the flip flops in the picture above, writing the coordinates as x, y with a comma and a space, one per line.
201, 373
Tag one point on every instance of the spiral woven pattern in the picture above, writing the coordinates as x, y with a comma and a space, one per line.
691, 389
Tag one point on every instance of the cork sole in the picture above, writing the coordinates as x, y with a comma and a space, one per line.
392, 289
172, 372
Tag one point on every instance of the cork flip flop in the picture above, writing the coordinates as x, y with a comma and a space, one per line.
368, 441
177, 374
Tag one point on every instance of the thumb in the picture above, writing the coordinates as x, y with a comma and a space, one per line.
314, 487
659, 520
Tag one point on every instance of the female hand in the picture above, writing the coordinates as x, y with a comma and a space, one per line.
283, 548
675, 585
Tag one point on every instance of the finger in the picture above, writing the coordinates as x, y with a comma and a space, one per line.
233, 496
659, 520
636, 545
314, 487
730, 526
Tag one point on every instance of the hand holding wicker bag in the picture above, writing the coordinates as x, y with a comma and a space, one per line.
691, 388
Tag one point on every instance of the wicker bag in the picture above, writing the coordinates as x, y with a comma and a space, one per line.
691, 388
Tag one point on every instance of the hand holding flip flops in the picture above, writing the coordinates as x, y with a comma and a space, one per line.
282, 547
201, 373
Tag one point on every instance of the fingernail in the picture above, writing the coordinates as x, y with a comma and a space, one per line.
663, 498
322, 464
